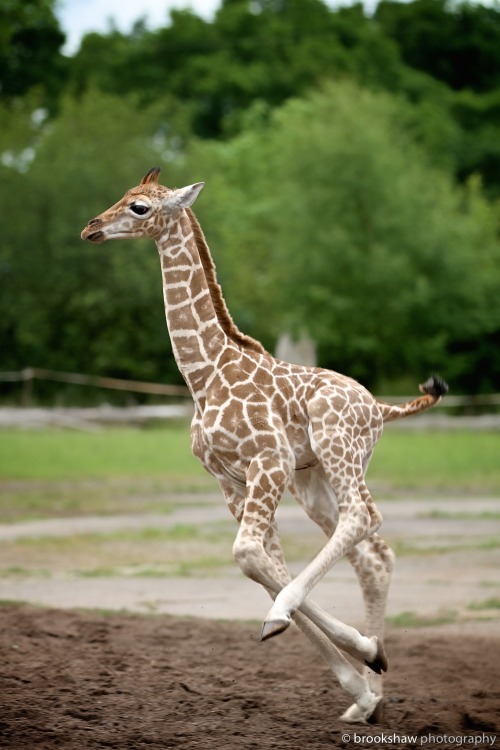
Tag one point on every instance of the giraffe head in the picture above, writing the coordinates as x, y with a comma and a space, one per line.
143, 211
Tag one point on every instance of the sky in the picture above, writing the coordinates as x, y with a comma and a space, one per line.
77, 17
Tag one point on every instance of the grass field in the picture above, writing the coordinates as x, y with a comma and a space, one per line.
455, 460
49, 473
71, 476
54, 455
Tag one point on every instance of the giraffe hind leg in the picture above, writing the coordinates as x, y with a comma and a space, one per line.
373, 562
353, 526
367, 706
315, 494
341, 449
266, 480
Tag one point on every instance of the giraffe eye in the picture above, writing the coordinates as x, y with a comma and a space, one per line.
139, 208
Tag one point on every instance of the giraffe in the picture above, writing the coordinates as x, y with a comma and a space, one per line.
261, 426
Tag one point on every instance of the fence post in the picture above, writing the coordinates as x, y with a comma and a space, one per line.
27, 376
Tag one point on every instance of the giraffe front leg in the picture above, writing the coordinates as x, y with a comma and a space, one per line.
267, 477
366, 705
353, 525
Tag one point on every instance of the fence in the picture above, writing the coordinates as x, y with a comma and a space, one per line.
91, 418
30, 374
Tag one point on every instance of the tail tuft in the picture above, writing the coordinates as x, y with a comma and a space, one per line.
435, 387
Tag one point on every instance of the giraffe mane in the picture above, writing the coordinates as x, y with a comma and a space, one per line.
227, 323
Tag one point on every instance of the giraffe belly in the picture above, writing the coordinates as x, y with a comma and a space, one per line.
298, 438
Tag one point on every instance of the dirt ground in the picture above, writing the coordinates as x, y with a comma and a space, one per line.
80, 680
175, 666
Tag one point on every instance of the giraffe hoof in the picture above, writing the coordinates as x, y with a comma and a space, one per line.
371, 714
377, 715
272, 628
379, 663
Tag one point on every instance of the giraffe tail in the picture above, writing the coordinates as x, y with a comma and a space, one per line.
433, 389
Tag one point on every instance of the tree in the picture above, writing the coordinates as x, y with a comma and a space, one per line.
265, 51
351, 233
30, 49
320, 190
457, 43
66, 305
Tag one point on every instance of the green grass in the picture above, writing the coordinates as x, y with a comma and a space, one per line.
441, 515
457, 460
493, 603
414, 620
178, 550
437, 461
54, 455
46, 474
200, 567
484, 544
180, 532
24, 500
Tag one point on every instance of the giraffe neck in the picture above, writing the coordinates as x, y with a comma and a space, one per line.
195, 332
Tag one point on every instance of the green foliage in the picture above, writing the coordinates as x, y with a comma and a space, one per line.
347, 160
349, 232
267, 52
458, 43
69, 305
478, 116
30, 44
251, 51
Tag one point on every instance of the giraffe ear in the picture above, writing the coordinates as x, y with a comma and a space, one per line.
152, 176
186, 196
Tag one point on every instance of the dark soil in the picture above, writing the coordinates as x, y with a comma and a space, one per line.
74, 681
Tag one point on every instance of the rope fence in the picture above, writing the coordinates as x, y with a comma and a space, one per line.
30, 374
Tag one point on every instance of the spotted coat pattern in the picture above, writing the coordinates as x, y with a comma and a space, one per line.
262, 425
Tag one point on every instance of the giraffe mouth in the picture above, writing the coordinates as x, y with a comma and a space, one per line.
96, 237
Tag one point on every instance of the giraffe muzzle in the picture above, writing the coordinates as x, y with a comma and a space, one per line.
95, 237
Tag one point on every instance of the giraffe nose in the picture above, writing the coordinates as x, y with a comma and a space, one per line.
93, 236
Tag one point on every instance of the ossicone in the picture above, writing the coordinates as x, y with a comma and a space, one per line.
152, 176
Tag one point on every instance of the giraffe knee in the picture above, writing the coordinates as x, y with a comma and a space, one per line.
249, 553
373, 560
385, 553
356, 520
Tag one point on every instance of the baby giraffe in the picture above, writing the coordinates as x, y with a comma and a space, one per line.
261, 426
